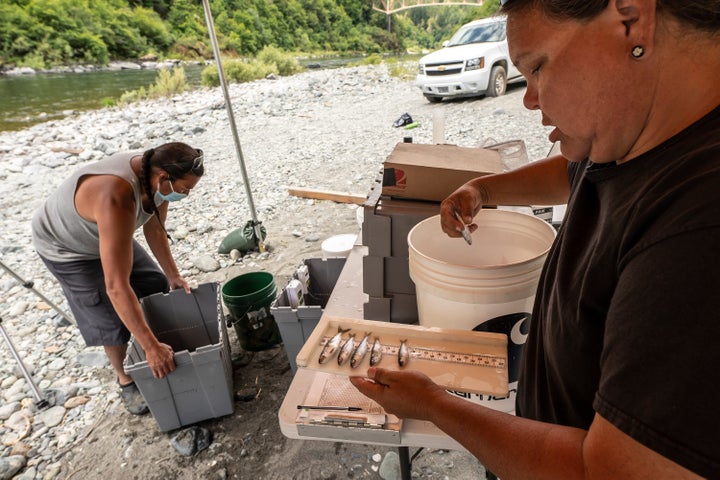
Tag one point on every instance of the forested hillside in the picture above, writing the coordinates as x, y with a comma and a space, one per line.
44, 33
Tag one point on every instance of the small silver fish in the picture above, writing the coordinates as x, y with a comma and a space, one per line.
331, 346
360, 351
346, 349
376, 352
403, 354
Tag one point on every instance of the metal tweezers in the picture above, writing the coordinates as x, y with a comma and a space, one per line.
465, 231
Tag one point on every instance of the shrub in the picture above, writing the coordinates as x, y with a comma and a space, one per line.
33, 60
132, 96
374, 59
402, 70
238, 71
168, 83
286, 64
209, 76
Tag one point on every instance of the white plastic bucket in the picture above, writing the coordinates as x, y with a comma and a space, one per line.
338, 246
487, 286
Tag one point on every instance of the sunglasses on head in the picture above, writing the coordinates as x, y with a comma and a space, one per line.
198, 162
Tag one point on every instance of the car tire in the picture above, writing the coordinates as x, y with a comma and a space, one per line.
498, 82
433, 99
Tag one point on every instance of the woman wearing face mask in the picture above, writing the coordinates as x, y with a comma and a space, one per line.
84, 234
619, 377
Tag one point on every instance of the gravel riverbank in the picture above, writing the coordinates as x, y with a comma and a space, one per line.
328, 130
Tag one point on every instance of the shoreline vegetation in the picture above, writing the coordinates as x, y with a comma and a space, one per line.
46, 34
270, 63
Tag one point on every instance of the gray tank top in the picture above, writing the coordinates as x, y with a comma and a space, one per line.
60, 234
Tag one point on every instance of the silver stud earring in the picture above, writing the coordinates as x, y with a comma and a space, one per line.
638, 51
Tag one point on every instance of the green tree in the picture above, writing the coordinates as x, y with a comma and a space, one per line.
48, 32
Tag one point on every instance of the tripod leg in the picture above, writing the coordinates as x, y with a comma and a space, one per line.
29, 286
39, 400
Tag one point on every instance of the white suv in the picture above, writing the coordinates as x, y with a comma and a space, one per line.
474, 61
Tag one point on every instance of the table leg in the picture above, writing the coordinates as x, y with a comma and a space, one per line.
405, 467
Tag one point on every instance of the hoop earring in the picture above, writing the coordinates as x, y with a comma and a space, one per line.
638, 51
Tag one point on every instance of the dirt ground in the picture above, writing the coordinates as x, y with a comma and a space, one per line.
249, 444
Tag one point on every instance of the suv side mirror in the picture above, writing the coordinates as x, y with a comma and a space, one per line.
445, 43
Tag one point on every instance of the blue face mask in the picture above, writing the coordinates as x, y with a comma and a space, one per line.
173, 196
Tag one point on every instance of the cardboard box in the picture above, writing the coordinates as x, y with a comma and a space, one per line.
432, 172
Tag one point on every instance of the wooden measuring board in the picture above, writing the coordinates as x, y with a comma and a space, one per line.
467, 361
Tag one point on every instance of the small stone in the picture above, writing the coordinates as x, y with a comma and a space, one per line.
76, 401
92, 359
9, 466
57, 364
235, 254
29, 473
9, 409
18, 309
206, 263
180, 233
52, 416
18, 421
191, 441
390, 467
246, 394
20, 448
61, 321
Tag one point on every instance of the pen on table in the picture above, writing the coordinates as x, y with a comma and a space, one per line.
328, 407
465, 232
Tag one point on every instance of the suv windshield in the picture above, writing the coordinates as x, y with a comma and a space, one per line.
489, 32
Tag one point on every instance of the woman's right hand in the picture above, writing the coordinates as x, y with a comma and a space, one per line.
160, 359
466, 201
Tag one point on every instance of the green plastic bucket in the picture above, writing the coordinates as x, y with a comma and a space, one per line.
248, 298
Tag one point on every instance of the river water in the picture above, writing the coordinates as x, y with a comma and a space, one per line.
29, 99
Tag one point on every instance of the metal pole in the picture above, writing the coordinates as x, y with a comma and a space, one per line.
405, 466
39, 400
29, 285
231, 118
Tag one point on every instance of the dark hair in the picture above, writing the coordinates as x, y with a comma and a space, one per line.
699, 14
177, 159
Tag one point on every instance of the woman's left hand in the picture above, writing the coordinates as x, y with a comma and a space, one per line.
398, 391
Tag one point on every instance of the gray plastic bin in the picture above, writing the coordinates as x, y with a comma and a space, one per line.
296, 324
201, 387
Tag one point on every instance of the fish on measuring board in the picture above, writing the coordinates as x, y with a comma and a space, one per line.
360, 351
403, 354
376, 352
346, 349
331, 346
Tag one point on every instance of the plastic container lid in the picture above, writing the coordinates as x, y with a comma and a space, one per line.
338, 246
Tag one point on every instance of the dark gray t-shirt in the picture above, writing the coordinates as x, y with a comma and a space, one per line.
627, 314
60, 234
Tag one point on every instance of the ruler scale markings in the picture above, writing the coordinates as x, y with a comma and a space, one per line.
478, 359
